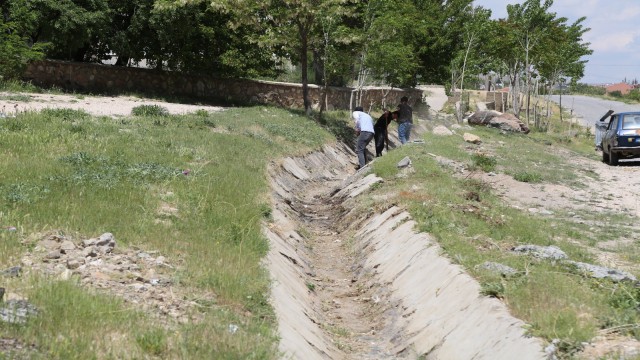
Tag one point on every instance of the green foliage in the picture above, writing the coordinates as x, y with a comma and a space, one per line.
153, 342
587, 89
493, 289
527, 177
634, 95
16, 23
65, 114
483, 161
75, 29
616, 94
149, 110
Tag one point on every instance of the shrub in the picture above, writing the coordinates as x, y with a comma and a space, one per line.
150, 110
483, 161
527, 177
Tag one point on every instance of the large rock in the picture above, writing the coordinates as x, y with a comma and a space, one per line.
503, 121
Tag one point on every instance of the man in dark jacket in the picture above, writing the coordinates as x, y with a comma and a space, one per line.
381, 130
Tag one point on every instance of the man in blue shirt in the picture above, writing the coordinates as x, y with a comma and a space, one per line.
364, 130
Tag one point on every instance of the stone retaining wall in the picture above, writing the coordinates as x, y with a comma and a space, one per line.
88, 77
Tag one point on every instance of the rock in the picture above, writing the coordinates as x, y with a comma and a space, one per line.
13, 271
67, 245
55, 254
65, 275
17, 311
73, 264
406, 162
1, 294
441, 130
89, 242
505, 122
106, 239
471, 138
601, 272
543, 252
89, 252
498, 268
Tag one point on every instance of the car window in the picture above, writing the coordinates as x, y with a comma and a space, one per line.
631, 122
613, 123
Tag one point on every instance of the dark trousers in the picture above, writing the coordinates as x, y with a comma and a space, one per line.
363, 140
380, 137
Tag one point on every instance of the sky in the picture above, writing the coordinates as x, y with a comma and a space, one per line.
614, 34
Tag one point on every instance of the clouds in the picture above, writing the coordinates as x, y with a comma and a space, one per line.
614, 34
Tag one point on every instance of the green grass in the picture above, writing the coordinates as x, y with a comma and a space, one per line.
67, 171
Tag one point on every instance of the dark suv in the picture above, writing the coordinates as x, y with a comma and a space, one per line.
621, 140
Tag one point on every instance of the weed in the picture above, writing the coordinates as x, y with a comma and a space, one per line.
65, 114
150, 110
14, 125
153, 342
202, 113
16, 97
527, 177
311, 286
23, 193
483, 161
493, 289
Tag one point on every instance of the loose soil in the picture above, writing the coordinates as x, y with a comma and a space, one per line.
350, 311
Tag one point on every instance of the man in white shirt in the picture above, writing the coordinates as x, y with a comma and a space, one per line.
365, 132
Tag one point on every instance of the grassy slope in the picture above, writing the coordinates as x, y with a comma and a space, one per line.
68, 172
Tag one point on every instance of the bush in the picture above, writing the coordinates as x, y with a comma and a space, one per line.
150, 110
484, 162
527, 177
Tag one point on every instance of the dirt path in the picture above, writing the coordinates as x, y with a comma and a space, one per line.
345, 304
11, 103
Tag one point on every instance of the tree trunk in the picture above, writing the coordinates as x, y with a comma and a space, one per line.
304, 64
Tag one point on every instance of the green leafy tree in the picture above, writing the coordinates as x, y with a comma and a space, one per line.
75, 28
470, 59
563, 51
390, 55
437, 29
17, 20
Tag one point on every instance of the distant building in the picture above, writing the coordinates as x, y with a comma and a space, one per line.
624, 88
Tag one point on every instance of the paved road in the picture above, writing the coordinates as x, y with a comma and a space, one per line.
590, 109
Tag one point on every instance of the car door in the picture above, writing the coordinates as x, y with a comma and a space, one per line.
610, 134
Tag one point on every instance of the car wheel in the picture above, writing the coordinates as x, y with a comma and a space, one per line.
613, 158
605, 157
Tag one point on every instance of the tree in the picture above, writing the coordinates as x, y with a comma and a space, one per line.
437, 32
388, 52
75, 28
531, 22
16, 48
563, 52
469, 56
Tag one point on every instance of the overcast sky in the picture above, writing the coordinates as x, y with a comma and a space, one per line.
614, 34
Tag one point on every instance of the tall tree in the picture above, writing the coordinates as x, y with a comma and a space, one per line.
469, 58
564, 52
74, 28
17, 21
531, 21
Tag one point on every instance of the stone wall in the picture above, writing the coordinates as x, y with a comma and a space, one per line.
86, 77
